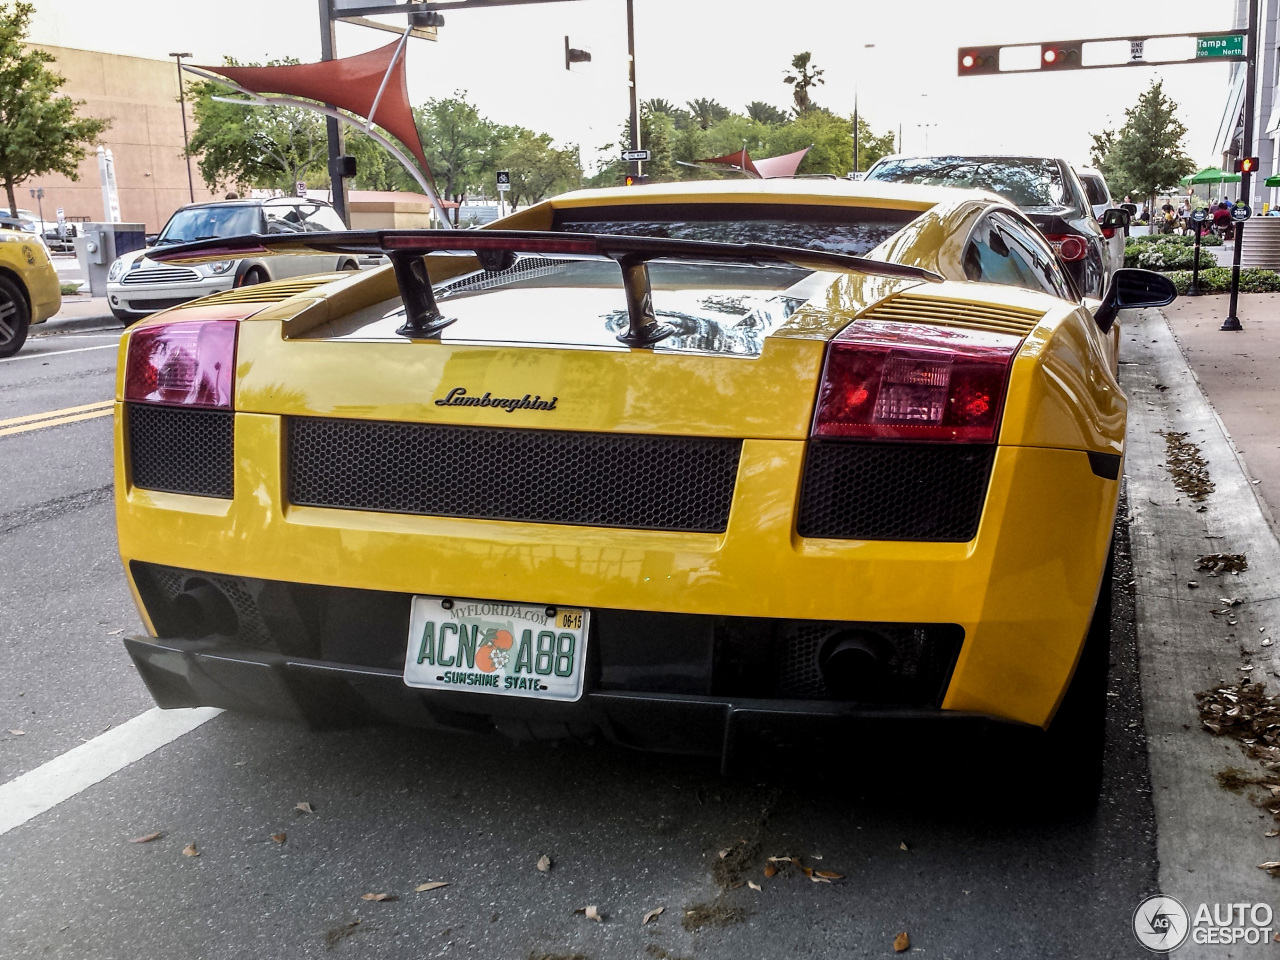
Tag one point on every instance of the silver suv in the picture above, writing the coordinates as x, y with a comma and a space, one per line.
138, 286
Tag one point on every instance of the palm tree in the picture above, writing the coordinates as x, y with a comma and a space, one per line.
805, 77
706, 112
658, 105
767, 113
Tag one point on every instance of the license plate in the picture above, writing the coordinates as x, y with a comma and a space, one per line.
490, 646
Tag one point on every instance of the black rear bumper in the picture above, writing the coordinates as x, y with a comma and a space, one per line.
188, 673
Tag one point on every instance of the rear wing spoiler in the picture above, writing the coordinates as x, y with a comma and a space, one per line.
497, 250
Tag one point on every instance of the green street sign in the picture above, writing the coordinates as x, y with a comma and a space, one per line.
1222, 45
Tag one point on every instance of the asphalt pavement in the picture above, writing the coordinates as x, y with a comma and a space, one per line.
967, 865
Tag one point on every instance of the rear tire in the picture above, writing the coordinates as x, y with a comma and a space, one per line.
349, 265
253, 275
15, 318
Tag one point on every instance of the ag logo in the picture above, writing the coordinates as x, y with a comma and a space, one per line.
1161, 923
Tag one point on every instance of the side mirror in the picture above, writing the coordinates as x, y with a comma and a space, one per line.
1114, 219
1130, 289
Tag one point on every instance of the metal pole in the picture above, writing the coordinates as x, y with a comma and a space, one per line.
186, 144
1246, 150
337, 186
1194, 289
856, 152
631, 67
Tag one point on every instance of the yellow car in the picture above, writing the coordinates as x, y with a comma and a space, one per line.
29, 288
685, 465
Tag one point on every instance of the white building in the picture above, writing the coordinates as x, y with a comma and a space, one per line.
1266, 117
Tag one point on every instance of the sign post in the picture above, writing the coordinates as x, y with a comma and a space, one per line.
504, 184
1198, 217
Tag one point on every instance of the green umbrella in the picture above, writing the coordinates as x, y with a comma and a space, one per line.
1271, 182
1211, 175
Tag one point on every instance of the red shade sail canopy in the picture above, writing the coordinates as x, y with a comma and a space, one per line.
351, 84
780, 166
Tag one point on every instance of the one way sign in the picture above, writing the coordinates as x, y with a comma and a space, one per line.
635, 154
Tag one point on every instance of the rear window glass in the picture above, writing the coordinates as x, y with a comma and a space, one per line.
1094, 189
1026, 183
851, 230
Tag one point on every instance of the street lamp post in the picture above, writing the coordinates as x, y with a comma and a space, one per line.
186, 144
631, 73
925, 127
857, 151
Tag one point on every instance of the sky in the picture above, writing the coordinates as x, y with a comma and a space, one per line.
511, 60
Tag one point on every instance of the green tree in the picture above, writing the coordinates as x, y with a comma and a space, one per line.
767, 113
462, 147
40, 132
872, 147
706, 112
805, 78
272, 147
1146, 156
538, 170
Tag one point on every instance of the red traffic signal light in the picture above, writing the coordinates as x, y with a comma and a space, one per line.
975, 60
1247, 165
636, 181
1059, 56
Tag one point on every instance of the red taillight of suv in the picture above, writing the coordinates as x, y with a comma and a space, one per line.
1068, 246
906, 381
188, 363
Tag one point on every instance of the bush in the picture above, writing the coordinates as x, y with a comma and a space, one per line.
1218, 280
1208, 240
1165, 253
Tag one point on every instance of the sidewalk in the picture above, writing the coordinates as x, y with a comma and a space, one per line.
1239, 373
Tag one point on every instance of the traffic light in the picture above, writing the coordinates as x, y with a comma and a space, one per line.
573, 55
976, 60
1060, 56
634, 180
426, 18
1247, 165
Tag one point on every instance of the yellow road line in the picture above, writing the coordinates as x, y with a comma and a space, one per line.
48, 414
56, 423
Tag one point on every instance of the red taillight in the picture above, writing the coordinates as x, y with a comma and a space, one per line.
1068, 246
1108, 232
906, 381
187, 362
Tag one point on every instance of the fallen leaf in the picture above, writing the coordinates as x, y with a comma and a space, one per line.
901, 942
379, 897
18, 733
278, 837
753, 885
829, 875
304, 807
781, 860
149, 837
544, 863
591, 912
724, 853
770, 870
1269, 865
115, 633
433, 885
902, 846
1272, 833
190, 850
655, 913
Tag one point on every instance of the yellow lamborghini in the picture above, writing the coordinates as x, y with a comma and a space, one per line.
29, 288
683, 465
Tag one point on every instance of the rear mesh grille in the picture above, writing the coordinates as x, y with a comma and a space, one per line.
271, 292
894, 491
181, 450
541, 476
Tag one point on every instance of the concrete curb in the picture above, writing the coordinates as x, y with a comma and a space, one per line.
54, 326
1209, 841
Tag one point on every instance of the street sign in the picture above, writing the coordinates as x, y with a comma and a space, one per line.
1223, 45
1137, 49
300, 189
504, 181
1241, 211
630, 155
1199, 216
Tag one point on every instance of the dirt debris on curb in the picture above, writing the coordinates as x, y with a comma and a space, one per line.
1217, 563
699, 915
1245, 713
1189, 470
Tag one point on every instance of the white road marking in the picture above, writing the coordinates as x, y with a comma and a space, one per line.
78, 769
54, 353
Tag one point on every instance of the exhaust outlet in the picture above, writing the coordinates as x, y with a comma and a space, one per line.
854, 665
202, 610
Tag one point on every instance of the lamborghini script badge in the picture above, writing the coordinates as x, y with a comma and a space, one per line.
458, 398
